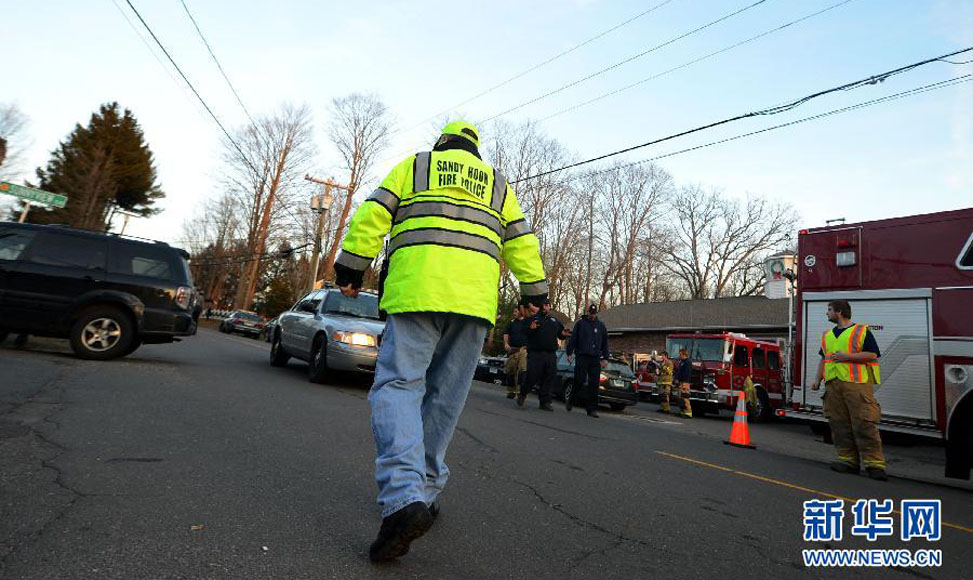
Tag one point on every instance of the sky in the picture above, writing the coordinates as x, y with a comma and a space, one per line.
62, 59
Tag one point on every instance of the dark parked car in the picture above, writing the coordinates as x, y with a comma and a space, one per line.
489, 369
244, 322
106, 293
618, 387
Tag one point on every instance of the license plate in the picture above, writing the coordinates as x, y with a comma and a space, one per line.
494, 370
618, 384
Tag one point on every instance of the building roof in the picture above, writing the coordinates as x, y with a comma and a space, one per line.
738, 313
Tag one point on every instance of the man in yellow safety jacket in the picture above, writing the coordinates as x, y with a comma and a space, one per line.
450, 218
849, 367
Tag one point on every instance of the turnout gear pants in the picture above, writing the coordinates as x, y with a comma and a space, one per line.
515, 367
587, 372
665, 391
687, 409
853, 414
541, 371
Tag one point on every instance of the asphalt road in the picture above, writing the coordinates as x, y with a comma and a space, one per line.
199, 460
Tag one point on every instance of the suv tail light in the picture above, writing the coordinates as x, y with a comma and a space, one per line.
184, 295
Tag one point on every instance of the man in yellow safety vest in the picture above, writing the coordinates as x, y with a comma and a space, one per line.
451, 218
849, 368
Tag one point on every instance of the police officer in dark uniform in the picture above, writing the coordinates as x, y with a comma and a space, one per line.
589, 340
543, 332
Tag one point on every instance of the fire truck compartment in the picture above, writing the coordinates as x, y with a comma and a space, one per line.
901, 321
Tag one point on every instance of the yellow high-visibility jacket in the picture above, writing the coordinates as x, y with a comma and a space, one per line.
851, 340
450, 218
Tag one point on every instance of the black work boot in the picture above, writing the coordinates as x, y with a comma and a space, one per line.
434, 509
877, 473
842, 467
399, 530
546, 407
593, 414
520, 399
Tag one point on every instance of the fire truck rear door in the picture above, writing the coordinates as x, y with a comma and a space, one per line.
901, 321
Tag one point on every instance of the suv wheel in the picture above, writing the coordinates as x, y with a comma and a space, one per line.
278, 356
102, 333
317, 367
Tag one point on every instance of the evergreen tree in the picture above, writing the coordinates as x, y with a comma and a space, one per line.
103, 166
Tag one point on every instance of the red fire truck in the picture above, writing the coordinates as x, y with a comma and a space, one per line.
721, 364
910, 280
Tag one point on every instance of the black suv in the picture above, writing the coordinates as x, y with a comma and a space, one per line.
106, 293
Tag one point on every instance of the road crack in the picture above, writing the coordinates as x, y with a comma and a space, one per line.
49, 388
482, 444
579, 520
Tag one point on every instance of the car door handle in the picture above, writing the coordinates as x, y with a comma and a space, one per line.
91, 278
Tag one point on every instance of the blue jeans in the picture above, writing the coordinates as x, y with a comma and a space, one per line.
423, 375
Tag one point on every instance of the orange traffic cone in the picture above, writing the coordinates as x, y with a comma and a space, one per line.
740, 434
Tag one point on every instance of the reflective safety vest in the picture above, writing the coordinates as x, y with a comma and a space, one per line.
851, 341
450, 218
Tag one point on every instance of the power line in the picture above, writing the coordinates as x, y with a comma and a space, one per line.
246, 258
872, 80
195, 92
909, 93
216, 60
592, 75
541, 64
694, 61
145, 42
625, 61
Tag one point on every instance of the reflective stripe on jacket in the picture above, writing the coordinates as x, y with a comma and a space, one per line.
850, 341
451, 218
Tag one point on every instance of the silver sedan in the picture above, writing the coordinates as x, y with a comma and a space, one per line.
330, 332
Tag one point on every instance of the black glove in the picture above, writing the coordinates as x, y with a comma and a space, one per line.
345, 276
537, 300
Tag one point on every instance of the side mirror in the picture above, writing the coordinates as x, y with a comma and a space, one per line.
309, 307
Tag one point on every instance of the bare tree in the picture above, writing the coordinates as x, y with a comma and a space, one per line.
261, 175
359, 130
716, 242
13, 128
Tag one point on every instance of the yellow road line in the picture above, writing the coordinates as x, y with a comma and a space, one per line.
786, 484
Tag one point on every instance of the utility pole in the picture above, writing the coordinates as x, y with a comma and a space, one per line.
321, 204
127, 216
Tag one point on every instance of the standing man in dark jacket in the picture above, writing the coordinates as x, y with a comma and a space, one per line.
590, 340
543, 333
684, 376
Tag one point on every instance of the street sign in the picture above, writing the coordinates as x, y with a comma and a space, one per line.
38, 196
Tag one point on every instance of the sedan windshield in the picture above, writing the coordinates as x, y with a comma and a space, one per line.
364, 306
